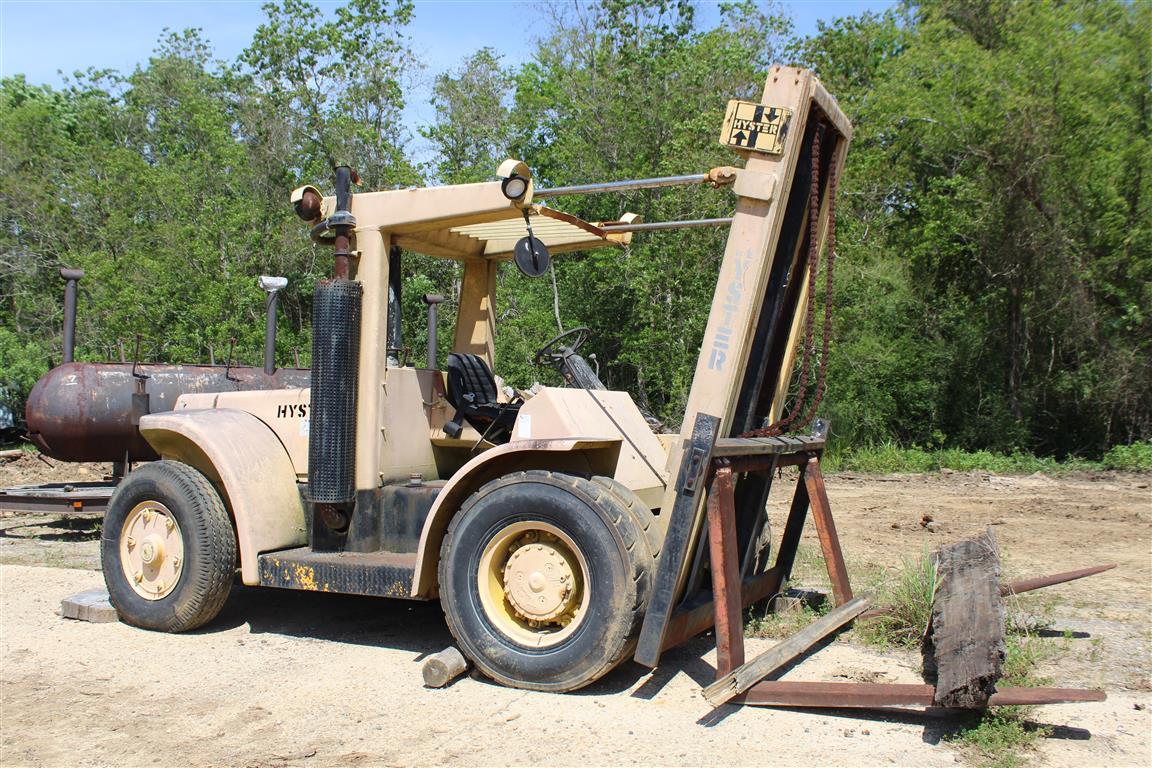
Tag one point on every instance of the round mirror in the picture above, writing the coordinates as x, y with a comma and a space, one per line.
532, 257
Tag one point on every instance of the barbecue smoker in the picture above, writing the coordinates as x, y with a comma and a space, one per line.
560, 531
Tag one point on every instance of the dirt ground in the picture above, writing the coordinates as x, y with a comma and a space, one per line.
298, 679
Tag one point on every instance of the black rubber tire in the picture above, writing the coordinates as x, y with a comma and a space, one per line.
209, 548
619, 562
640, 512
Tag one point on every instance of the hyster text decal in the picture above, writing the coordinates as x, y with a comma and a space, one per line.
731, 308
292, 411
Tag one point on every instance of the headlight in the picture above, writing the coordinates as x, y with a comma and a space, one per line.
514, 187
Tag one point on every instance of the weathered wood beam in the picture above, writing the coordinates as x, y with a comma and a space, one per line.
964, 643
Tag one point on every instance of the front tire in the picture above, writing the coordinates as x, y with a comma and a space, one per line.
167, 549
544, 578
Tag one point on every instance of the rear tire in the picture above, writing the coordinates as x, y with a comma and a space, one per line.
167, 549
544, 578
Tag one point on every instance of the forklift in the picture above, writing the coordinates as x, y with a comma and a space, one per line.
561, 529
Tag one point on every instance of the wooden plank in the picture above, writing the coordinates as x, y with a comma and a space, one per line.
742, 678
725, 572
757, 446
737, 446
965, 639
678, 538
826, 530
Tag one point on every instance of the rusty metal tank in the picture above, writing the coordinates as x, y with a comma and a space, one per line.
88, 412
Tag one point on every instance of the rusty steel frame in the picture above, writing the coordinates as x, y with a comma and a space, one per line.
730, 595
696, 616
780, 693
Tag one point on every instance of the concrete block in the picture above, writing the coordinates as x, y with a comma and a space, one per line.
90, 605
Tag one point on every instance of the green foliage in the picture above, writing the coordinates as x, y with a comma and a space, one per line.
889, 458
994, 292
905, 601
999, 738
1002, 736
782, 624
1136, 457
998, 185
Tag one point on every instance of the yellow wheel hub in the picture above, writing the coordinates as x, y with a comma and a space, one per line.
531, 580
151, 550
539, 577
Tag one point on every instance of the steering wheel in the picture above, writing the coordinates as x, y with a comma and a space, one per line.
551, 348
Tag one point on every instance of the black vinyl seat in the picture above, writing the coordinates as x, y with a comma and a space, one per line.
472, 392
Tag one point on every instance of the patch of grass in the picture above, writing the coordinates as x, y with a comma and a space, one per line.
1003, 736
905, 600
765, 623
889, 458
1134, 458
999, 739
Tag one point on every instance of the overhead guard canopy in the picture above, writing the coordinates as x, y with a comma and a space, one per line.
560, 232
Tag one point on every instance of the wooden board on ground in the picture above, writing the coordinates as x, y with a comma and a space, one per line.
965, 637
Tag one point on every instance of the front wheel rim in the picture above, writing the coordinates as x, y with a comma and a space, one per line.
151, 550
533, 584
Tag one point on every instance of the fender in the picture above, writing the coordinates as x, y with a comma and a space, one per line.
588, 455
250, 467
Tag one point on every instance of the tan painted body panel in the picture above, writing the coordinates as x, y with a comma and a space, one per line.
476, 317
559, 413
284, 411
248, 464
410, 399
584, 455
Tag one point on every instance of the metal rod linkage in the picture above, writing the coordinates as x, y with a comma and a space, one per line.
623, 186
659, 225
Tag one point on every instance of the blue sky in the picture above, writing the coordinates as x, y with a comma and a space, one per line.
42, 38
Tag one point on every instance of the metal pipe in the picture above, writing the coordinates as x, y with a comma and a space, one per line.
433, 300
623, 186
1039, 582
662, 225
71, 278
272, 286
342, 222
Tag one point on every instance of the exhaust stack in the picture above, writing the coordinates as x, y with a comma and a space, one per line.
272, 286
335, 373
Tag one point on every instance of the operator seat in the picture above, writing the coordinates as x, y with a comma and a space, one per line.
472, 392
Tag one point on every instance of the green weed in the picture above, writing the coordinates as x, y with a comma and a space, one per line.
1002, 736
905, 602
888, 458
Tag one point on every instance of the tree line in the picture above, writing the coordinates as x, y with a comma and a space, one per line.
994, 288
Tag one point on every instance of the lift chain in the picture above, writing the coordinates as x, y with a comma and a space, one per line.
790, 421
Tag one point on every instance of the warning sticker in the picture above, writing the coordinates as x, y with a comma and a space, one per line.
757, 127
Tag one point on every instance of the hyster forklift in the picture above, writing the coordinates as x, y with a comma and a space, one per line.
540, 519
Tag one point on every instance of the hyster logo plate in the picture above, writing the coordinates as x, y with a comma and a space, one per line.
757, 127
